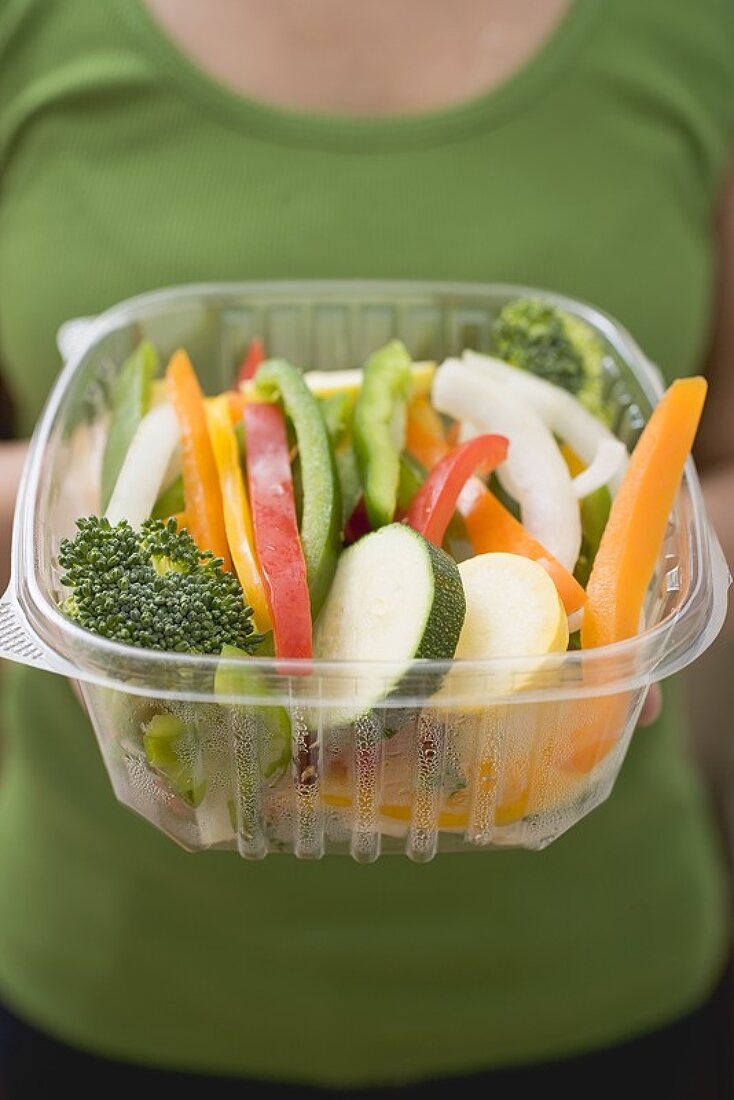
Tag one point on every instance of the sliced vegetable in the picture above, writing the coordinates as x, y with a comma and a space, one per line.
594, 514
144, 467
255, 356
512, 610
237, 518
489, 524
322, 515
562, 413
202, 495
492, 528
534, 473
247, 680
338, 410
425, 436
358, 524
610, 458
412, 476
433, 506
276, 532
171, 500
635, 530
131, 400
326, 383
395, 598
172, 750
379, 429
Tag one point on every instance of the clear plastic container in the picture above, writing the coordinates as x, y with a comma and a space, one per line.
513, 756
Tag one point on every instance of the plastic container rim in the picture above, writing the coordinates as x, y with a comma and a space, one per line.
41, 612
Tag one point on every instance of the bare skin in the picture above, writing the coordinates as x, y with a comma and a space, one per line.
426, 54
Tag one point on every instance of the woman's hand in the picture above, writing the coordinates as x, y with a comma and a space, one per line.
12, 457
651, 707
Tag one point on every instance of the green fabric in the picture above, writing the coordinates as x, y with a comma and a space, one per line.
593, 172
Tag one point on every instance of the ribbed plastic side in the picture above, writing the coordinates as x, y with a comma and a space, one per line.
514, 775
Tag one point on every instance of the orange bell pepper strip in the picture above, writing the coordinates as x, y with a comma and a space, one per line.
202, 495
635, 530
425, 436
237, 518
490, 526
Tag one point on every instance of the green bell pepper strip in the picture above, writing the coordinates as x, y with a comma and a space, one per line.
411, 476
322, 510
170, 502
246, 679
379, 429
338, 410
131, 395
594, 515
172, 751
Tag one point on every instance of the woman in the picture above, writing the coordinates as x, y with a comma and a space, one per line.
580, 146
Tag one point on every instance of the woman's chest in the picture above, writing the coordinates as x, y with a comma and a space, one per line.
543, 201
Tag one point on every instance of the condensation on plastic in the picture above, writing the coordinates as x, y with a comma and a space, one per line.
512, 752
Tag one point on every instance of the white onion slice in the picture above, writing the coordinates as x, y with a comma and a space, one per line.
575, 620
147, 460
560, 410
534, 472
610, 458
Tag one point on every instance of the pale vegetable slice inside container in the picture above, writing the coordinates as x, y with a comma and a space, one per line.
534, 473
143, 471
512, 610
395, 598
560, 410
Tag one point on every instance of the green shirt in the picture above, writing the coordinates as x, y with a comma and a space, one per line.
593, 171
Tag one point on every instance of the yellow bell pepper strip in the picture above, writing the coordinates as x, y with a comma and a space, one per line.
237, 518
379, 429
433, 505
202, 495
321, 519
635, 530
490, 526
276, 532
131, 400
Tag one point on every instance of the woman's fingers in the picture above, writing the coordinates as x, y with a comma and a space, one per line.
651, 707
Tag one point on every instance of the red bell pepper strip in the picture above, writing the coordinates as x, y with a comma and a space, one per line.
435, 502
275, 527
254, 357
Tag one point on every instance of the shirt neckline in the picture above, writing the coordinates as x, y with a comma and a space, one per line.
291, 126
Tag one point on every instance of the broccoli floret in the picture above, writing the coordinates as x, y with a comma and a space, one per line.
153, 588
539, 337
